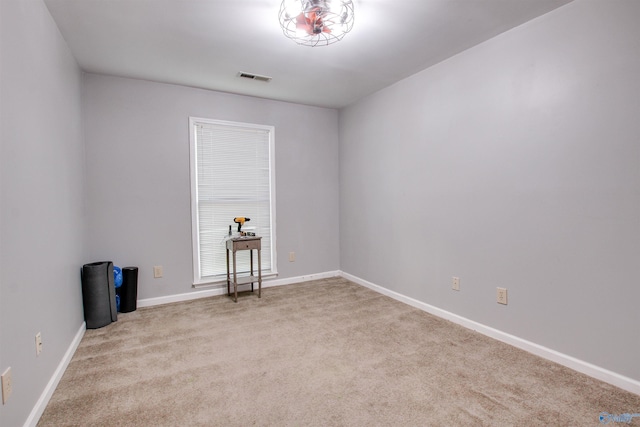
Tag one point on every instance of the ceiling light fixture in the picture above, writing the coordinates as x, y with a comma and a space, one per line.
316, 22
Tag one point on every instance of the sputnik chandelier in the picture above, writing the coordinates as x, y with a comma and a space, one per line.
316, 22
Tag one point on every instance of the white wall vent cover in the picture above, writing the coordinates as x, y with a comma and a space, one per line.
254, 77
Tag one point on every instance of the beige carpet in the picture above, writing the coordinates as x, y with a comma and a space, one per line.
322, 353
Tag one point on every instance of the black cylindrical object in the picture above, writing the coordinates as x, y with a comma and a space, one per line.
129, 289
98, 294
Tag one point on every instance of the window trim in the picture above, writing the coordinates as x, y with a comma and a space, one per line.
195, 241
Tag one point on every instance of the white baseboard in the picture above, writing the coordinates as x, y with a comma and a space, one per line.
586, 368
222, 290
37, 410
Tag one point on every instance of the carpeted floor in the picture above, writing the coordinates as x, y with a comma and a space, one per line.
322, 353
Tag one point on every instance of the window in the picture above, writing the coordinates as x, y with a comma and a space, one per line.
232, 175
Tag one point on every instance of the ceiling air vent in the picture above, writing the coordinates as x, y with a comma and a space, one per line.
254, 77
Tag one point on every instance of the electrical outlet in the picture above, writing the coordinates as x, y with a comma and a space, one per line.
157, 271
502, 296
7, 385
38, 344
455, 283
292, 256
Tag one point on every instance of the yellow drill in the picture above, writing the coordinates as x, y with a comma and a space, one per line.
240, 220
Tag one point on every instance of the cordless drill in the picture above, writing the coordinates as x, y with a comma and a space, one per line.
240, 220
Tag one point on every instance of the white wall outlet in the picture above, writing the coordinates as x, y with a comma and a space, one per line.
157, 271
501, 296
7, 385
292, 256
455, 283
38, 344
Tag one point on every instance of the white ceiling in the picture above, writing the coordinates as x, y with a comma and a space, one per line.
205, 43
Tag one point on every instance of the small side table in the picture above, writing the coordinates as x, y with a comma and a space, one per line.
240, 244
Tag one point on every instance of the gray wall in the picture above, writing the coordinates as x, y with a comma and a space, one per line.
41, 193
513, 164
138, 191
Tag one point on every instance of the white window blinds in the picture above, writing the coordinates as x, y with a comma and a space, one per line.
231, 176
